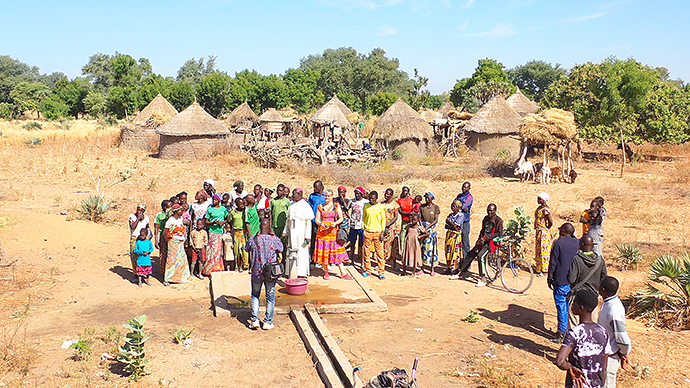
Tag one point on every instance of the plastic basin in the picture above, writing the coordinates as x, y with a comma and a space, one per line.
296, 286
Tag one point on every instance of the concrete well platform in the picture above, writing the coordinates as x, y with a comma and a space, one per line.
231, 294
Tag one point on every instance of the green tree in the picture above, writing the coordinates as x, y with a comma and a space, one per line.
180, 95
99, 70
50, 80
151, 86
417, 91
301, 89
27, 96
434, 102
489, 79
534, 77
72, 93
194, 70
53, 107
12, 73
95, 104
211, 92
379, 102
122, 101
7, 110
666, 116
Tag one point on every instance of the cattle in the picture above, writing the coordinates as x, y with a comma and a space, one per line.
557, 174
572, 175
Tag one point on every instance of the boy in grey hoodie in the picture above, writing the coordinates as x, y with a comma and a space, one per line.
586, 271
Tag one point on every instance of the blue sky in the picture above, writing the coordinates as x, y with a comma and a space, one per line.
442, 38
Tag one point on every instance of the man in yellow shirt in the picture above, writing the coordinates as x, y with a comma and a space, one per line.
374, 220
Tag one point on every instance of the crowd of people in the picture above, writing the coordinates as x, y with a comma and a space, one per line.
319, 233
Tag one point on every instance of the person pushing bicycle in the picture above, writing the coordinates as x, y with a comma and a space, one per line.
492, 227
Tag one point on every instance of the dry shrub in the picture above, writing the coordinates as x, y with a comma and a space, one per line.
679, 177
15, 354
229, 156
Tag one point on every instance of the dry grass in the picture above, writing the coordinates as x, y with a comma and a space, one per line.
53, 132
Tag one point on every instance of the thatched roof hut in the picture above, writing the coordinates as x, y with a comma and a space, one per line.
157, 112
192, 134
401, 124
429, 115
551, 127
141, 135
494, 128
521, 104
331, 113
242, 117
337, 102
272, 116
447, 107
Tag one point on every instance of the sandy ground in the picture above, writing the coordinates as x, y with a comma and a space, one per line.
71, 279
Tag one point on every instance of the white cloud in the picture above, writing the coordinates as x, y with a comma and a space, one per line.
385, 30
468, 4
581, 19
463, 26
500, 31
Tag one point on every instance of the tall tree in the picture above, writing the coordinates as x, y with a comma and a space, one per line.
12, 73
98, 70
72, 93
27, 96
180, 95
95, 104
534, 77
194, 70
488, 80
417, 92
211, 92
301, 88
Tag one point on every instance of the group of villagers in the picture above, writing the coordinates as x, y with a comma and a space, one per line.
326, 230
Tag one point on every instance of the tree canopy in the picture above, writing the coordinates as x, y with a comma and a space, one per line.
534, 77
488, 80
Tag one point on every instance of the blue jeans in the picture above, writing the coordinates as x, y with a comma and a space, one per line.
465, 239
270, 299
560, 295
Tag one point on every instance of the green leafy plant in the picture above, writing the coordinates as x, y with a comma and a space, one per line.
93, 208
641, 372
517, 229
132, 352
32, 125
473, 317
666, 298
629, 256
82, 348
181, 335
111, 335
34, 141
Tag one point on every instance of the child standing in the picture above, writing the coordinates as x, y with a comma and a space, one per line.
612, 318
239, 238
585, 349
417, 204
412, 254
143, 248
159, 236
199, 240
251, 216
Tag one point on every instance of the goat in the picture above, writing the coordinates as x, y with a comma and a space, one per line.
557, 174
545, 175
525, 171
573, 175
537, 170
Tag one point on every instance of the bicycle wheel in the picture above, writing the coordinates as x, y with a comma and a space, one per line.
493, 265
517, 276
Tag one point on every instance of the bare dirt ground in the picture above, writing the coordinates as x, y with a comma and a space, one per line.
71, 279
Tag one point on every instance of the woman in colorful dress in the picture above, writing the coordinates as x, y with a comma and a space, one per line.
429, 212
390, 235
176, 266
215, 221
542, 229
454, 253
326, 249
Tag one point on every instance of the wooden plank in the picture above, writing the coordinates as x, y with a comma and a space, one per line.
328, 375
338, 359
371, 294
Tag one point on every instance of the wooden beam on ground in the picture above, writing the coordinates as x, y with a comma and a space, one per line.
328, 375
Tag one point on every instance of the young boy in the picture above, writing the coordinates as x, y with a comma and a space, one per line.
239, 239
199, 240
374, 223
585, 347
226, 203
612, 318
251, 216
143, 248
417, 204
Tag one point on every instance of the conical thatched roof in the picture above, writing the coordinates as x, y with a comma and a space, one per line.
430, 115
521, 104
401, 122
447, 107
336, 101
271, 116
193, 121
157, 112
331, 113
553, 126
242, 116
494, 118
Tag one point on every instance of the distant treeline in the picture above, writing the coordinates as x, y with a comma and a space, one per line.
609, 98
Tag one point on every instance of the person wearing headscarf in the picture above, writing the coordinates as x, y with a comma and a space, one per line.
429, 213
327, 249
542, 229
454, 239
176, 266
298, 233
215, 221
209, 188
137, 221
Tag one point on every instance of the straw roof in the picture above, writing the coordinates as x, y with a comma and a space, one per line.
331, 113
447, 107
157, 112
336, 101
553, 126
430, 115
242, 116
494, 118
193, 121
272, 116
521, 104
400, 122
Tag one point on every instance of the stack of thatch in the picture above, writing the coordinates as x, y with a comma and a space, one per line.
401, 123
430, 115
272, 116
242, 117
494, 118
552, 126
445, 109
521, 104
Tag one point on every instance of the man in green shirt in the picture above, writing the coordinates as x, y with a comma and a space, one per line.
251, 217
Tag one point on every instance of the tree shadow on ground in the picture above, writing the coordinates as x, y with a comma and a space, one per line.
522, 343
521, 317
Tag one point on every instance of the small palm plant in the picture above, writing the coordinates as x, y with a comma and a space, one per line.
666, 299
132, 352
629, 256
93, 208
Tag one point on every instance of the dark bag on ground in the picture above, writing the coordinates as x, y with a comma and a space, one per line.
395, 378
273, 271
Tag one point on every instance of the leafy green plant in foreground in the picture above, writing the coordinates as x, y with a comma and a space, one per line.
132, 352
93, 208
517, 229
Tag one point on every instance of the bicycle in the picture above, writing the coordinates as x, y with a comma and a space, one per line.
516, 274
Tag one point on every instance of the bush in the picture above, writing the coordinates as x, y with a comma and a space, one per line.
517, 229
32, 125
53, 108
93, 208
629, 256
666, 300
132, 352
34, 141
7, 110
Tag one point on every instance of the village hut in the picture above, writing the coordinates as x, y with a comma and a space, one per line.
192, 134
141, 134
272, 123
521, 104
443, 110
494, 128
337, 102
329, 122
242, 118
551, 128
402, 126
430, 115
